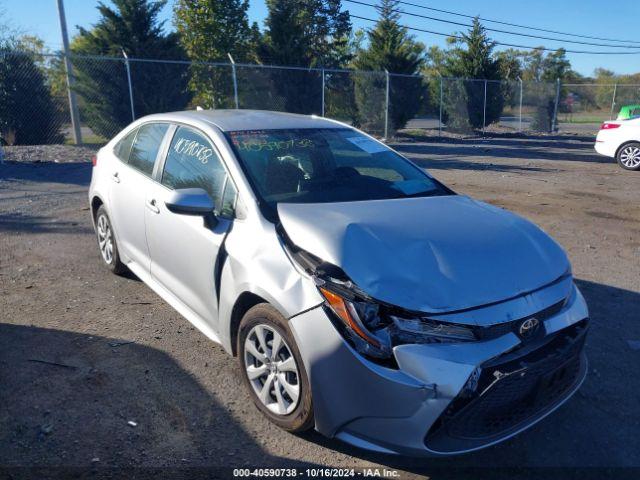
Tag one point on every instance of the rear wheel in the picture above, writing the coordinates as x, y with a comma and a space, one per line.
107, 242
629, 156
272, 369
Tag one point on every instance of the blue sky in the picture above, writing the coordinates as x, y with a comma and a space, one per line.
617, 19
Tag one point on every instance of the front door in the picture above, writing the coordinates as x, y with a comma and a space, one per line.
184, 248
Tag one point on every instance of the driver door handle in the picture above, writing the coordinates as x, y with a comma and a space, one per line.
152, 205
116, 177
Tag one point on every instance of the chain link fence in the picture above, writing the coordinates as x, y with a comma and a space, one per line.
109, 93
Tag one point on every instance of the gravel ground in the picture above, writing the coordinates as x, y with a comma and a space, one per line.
97, 372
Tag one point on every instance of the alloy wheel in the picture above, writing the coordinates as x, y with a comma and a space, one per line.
630, 156
271, 369
105, 238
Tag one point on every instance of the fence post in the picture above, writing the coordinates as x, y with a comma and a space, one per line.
520, 107
613, 100
386, 110
126, 64
440, 118
235, 80
323, 92
554, 122
73, 104
484, 108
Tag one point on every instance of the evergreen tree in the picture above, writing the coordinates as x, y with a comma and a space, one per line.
393, 49
304, 33
28, 113
472, 58
210, 30
131, 26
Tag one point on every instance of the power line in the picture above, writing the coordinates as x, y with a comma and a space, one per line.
497, 30
517, 25
528, 47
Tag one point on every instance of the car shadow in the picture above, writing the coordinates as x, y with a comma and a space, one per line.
595, 431
74, 403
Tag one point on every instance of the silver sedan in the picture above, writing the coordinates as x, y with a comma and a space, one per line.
361, 296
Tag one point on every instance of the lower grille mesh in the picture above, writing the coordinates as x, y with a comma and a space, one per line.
512, 392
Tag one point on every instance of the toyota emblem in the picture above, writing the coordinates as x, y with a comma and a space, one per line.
529, 327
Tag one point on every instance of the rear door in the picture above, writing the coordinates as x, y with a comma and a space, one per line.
130, 182
185, 249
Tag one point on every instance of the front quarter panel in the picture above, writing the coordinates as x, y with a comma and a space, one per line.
258, 263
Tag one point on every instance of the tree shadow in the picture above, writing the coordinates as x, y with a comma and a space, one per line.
519, 152
594, 432
73, 402
19, 222
44, 172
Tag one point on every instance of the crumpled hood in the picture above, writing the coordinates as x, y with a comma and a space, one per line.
431, 254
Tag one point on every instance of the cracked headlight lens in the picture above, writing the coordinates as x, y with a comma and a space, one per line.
374, 328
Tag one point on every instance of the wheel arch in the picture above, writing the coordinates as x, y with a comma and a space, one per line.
96, 203
624, 144
245, 301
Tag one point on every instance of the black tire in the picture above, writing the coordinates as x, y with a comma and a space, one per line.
113, 262
625, 149
301, 418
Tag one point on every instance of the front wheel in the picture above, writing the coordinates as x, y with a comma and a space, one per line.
629, 156
272, 369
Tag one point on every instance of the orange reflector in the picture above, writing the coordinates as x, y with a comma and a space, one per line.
338, 305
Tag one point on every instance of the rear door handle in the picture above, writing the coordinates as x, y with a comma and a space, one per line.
151, 205
116, 177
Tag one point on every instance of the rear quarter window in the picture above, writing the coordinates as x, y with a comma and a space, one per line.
146, 145
123, 147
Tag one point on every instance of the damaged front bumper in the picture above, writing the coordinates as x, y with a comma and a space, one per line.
443, 399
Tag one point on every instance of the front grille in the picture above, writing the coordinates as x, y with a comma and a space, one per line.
499, 329
511, 391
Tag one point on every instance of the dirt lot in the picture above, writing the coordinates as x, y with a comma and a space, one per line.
83, 352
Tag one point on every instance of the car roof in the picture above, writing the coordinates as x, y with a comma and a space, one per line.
233, 120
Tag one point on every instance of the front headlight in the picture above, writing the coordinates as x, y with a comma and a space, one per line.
375, 328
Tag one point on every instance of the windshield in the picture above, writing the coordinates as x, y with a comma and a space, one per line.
327, 165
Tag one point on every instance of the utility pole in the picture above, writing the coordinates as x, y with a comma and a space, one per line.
73, 104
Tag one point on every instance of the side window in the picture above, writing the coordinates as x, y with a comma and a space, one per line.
123, 147
193, 163
146, 145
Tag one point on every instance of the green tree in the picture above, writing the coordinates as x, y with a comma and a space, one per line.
304, 33
393, 49
472, 58
210, 30
131, 26
29, 114
555, 65
510, 63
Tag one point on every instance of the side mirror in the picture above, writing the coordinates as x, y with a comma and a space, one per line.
190, 201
